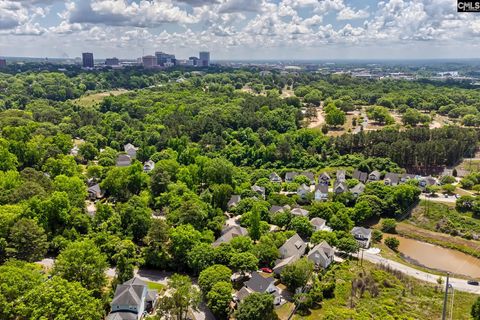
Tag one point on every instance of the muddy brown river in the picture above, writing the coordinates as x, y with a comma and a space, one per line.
439, 258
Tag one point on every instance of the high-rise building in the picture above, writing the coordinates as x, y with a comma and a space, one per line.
149, 61
3, 63
204, 59
193, 61
112, 62
165, 59
87, 59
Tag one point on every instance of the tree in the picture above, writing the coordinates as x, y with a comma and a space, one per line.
212, 275
475, 312
335, 117
254, 223
377, 235
182, 296
183, 239
413, 117
257, 306
362, 212
302, 226
200, 257
16, 279
319, 236
448, 188
392, 243
27, 241
136, 217
296, 275
220, 195
266, 251
389, 225
74, 187
243, 261
82, 261
88, 151
59, 299
380, 115
348, 245
156, 244
219, 298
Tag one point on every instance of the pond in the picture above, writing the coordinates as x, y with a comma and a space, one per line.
439, 258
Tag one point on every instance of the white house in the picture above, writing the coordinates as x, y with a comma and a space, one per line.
321, 255
321, 192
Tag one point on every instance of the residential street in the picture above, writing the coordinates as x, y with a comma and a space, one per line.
458, 284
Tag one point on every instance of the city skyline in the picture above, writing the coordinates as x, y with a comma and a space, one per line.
239, 30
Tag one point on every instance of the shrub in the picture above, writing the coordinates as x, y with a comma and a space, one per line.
389, 225
392, 243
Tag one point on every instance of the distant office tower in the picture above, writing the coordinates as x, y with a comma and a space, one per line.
3, 63
193, 61
112, 62
165, 59
204, 60
149, 61
87, 59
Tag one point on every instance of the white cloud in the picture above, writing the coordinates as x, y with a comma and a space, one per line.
348, 13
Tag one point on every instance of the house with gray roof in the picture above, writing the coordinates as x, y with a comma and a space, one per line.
94, 192
321, 192
406, 176
374, 176
360, 176
391, 179
324, 179
229, 233
275, 209
303, 191
234, 200
309, 175
131, 299
318, 224
123, 160
290, 176
259, 190
341, 175
340, 187
299, 212
358, 189
148, 166
363, 236
293, 246
321, 255
423, 182
259, 284
131, 150
274, 177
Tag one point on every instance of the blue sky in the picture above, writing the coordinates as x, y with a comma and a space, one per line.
240, 29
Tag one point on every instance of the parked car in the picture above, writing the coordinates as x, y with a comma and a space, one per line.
266, 270
473, 282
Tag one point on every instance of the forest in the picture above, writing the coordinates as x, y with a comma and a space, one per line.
208, 141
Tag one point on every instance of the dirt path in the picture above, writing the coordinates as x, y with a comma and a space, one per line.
319, 119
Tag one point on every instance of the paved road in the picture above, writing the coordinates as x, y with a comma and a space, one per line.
440, 198
458, 284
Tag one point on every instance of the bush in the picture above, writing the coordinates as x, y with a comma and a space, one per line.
377, 235
389, 225
392, 243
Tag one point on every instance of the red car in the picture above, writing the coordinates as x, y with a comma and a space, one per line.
266, 270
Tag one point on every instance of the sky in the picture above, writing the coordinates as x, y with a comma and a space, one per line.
240, 29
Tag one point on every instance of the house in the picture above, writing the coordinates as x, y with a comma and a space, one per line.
259, 284
259, 190
280, 264
374, 176
274, 177
290, 176
340, 187
229, 233
74, 151
148, 166
131, 150
321, 255
234, 200
94, 192
341, 175
391, 179
362, 235
299, 212
293, 246
131, 300
360, 176
309, 175
123, 160
319, 224
321, 192
324, 179
275, 209
427, 181
358, 189
303, 191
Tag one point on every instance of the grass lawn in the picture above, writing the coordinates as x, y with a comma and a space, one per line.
385, 295
93, 99
155, 286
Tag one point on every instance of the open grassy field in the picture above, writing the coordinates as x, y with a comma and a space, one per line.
93, 99
385, 295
